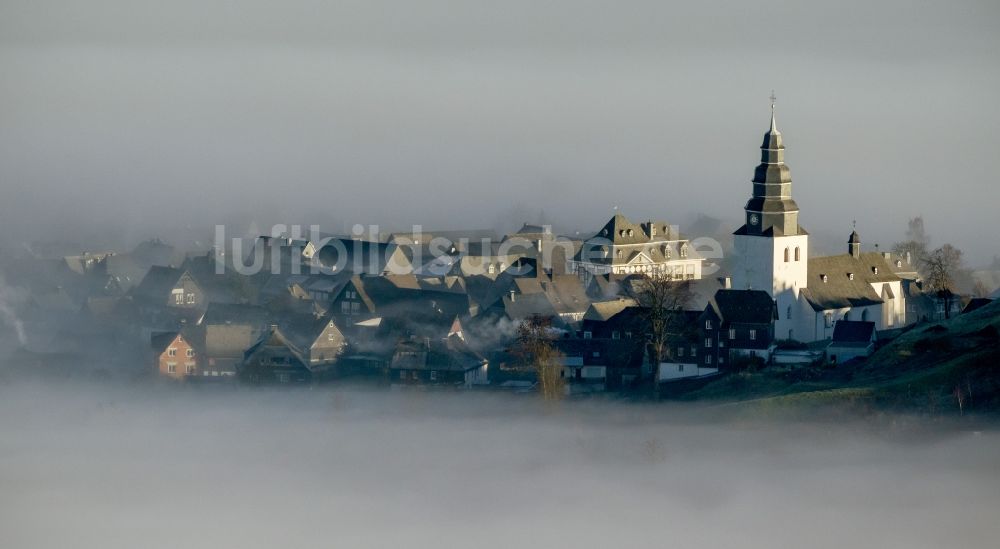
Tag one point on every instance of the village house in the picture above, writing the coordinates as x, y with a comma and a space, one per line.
443, 361
737, 325
623, 247
297, 350
177, 354
851, 339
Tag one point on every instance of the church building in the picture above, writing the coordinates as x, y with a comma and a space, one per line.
811, 294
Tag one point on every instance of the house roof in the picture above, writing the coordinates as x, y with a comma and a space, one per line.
157, 283
603, 310
229, 313
744, 306
853, 332
976, 303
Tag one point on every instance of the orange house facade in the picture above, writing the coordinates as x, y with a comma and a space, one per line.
176, 356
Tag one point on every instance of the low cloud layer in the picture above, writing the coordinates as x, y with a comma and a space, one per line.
92, 466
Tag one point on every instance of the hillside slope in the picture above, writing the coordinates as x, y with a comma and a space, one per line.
951, 367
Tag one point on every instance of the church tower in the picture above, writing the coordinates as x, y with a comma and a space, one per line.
772, 249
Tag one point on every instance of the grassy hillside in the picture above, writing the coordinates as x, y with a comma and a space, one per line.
950, 367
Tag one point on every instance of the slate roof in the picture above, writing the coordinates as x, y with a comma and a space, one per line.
976, 303
229, 313
603, 310
853, 333
744, 306
157, 283
840, 290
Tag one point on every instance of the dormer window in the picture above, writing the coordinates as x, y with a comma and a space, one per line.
630, 232
684, 251
667, 252
619, 253
652, 230
850, 276
875, 270
823, 277
899, 263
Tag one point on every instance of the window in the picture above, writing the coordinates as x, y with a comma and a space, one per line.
345, 307
189, 367
753, 334
828, 320
414, 375
189, 353
178, 296
788, 313
864, 314
708, 342
596, 354
694, 350
732, 333
786, 255
708, 359
798, 255
284, 378
722, 359
684, 251
190, 299
171, 352
850, 276
708, 324
491, 269
171, 368
434, 375
628, 335
680, 351
680, 367
588, 335
615, 335
355, 308
402, 374
722, 343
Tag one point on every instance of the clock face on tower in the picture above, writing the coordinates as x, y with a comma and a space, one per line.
754, 219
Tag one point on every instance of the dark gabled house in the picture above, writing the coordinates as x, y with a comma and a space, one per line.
294, 351
444, 361
851, 339
737, 323
170, 288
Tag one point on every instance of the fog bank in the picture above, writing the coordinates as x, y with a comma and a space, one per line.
91, 466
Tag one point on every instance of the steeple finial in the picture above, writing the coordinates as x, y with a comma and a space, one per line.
774, 125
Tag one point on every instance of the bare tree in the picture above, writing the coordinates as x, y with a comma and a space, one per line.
941, 266
536, 349
663, 301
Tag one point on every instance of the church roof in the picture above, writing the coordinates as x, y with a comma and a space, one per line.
840, 281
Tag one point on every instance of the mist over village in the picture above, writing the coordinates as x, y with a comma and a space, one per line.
454, 275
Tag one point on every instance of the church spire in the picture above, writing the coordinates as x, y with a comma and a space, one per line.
771, 210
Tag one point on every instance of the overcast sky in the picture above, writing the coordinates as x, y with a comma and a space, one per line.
148, 116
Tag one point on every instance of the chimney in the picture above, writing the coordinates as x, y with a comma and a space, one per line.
512, 299
727, 282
